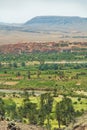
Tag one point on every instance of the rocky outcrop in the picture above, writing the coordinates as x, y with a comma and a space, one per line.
79, 124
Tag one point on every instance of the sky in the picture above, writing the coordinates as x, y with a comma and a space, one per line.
19, 11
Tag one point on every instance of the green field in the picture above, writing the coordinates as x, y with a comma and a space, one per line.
31, 77
60, 79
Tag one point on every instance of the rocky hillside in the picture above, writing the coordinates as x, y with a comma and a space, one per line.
79, 124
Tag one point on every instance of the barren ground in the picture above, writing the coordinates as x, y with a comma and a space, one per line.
12, 37
3, 126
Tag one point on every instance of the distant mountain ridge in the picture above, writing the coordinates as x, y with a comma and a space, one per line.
57, 20
56, 23
49, 23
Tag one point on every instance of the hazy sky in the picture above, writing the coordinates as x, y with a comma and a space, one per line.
18, 11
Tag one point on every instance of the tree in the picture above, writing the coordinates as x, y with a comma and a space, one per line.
10, 108
10, 65
29, 75
2, 108
0, 64
43, 67
18, 74
15, 65
29, 110
23, 64
46, 102
79, 99
48, 106
42, 114
5, 71
64, 111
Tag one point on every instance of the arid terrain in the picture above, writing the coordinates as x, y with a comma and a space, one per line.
45, 29
12, 37
4, 125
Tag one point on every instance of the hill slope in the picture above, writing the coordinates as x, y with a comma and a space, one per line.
59, 20
56, 22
